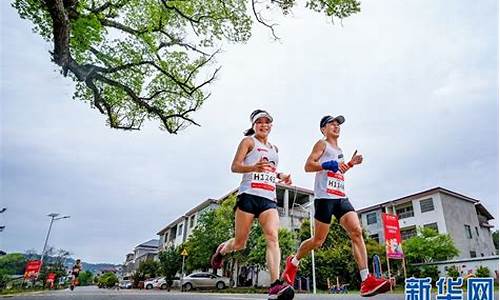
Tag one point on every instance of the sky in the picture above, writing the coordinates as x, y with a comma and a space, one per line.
417, 82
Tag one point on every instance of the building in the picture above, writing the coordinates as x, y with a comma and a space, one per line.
177, 231
464, 218
292, 204
293, 207
142, 252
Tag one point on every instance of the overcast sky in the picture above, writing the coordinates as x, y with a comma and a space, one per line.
416, 80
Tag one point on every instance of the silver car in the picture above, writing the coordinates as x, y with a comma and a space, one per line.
204, 280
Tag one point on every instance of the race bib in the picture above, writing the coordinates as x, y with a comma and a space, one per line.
335, 184
264, 181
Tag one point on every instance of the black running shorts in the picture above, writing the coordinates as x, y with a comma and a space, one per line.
253, 204
325, 208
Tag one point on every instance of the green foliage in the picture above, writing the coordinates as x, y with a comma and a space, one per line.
257, 246
428, 246
333, 259
108, 279
430, 271
483, 272
13, 263
148, 269
453, 272
170, 262
55, 264
213, 227
86, 278
494, 236
4, 278
141, 60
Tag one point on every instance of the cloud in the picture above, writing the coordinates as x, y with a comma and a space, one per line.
417, 83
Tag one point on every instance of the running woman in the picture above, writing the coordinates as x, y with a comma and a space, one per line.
75, 271
257, 160
327, 160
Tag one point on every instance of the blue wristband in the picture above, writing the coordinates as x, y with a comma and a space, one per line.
331, 165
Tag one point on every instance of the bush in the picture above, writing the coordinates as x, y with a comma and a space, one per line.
483, 272
4, 278
453, 272
108, 279
430, 271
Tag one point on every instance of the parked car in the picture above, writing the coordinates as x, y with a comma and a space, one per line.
161, 283
151, 283
204, 280
125, 284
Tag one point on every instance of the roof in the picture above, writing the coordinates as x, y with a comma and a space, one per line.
209, 201
295, 188
171, 224
153, 243
201, 206
429, 192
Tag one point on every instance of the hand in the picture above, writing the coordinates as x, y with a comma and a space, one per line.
331, 165
343, 168
262, 165
356, 159
285, 178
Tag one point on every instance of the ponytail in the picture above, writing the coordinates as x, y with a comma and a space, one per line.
249, 132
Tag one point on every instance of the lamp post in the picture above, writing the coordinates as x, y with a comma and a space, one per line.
53, 217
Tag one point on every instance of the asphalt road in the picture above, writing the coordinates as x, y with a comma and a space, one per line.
93, 293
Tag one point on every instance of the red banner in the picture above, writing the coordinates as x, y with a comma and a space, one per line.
32, 268
392, 235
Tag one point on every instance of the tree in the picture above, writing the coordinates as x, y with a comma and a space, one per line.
453, 272
108, 279
148, 269
428, 246
13, 263
494, 235
54, 263
138, 60
257, 251
85, 278
483, 272
170, 263
213, 227
333, 259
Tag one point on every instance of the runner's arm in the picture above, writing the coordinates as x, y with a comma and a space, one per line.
312, 162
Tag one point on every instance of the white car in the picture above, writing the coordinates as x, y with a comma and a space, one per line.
151, 283
125, 284
205, 280
161, 283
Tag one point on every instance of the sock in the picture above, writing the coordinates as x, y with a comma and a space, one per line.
364, 274
295, 261
223, 250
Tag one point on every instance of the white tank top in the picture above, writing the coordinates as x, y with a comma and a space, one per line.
261, 184
329, 185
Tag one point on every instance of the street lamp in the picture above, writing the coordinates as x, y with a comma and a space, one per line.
308, 208
53, 217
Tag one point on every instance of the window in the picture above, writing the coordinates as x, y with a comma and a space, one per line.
426, 205
408, 233
371, 218
191, 221
405, 212
432, 226
477, 230
375, 237
468, 233
179, 229
473, 254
